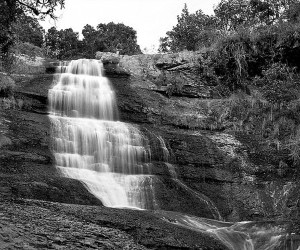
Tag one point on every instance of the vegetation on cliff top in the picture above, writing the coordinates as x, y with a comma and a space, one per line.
111, 37
243, 39
251, 48
19, 24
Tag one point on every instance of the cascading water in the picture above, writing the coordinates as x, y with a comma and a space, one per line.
166, 154
236, 236
245, 235
110, 157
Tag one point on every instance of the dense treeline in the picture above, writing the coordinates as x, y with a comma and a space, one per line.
16, 20
244, 38
21, 32
111, 37
194, 31
65, 43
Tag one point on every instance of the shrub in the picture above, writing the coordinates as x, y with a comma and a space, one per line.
278, 83
233, 51
24, 58
294, 147
1, 61
28, 49
7, 86
245, 53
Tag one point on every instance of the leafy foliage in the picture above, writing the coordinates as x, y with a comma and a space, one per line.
294, 147
28, 49
7, 86
278, 84
232, 14
196, 30
28, 30
90, 39
110, 37
246, 53
10, 10
36, 7
191, 32
63, 44
253, 55
52, 42
231, 59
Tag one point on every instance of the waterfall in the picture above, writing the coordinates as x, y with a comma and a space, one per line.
110, 157
113, 159
209, 203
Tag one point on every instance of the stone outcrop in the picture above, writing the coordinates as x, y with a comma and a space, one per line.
230, 168
213, 171
176, 74
46, 225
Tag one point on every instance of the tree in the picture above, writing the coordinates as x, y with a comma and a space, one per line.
28, 29
117, 37
190, 33
11, 9
293, 13
63, 44
232, 14
68, 44
110, 37
89, 41
37, 7
52, 42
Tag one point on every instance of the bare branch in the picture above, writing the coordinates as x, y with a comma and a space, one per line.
34, 10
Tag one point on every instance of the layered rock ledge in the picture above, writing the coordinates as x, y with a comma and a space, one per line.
231, 170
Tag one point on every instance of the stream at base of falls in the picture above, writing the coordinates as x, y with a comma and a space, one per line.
246, 235
113, 159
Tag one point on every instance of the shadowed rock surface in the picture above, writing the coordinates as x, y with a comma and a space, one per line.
231, 170
44, 225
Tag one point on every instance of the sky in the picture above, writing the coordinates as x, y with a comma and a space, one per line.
150, 18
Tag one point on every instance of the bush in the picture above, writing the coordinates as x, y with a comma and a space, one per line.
24, 58
28, 49
243, 54
7, 86
233, 52
279, 83
1, 60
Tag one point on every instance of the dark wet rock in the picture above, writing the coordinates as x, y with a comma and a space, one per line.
232, 169
43, 225
26, 162
4, 141
215, 164
210, 166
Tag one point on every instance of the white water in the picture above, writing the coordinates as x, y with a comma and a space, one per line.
113, 159
210, 204
110, 157
236, 236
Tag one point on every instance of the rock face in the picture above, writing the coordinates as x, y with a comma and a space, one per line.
29, 224
209, 172
172, 74
232, 169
